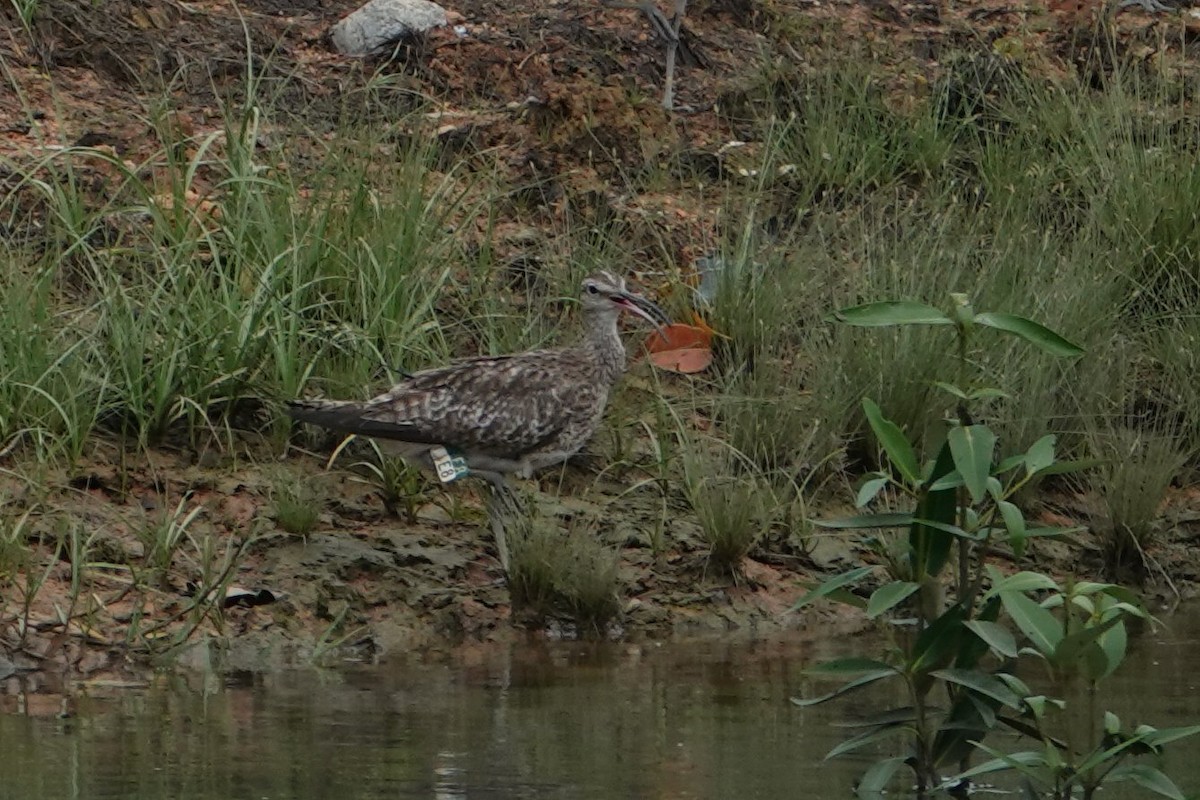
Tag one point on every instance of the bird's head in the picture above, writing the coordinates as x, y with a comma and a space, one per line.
606, 293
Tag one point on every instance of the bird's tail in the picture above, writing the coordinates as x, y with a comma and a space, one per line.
339, 415
348, 416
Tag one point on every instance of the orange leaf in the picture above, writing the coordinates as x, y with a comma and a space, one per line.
701, 324
678, 336
686, 360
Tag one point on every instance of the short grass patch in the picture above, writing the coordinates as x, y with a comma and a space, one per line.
569, 573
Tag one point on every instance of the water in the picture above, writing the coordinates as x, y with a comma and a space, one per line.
536, 720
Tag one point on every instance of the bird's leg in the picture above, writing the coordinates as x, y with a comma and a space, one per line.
502, 502
1145, 5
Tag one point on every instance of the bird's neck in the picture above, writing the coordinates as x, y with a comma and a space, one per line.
603, 341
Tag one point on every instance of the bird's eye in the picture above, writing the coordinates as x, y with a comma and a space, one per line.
591, 289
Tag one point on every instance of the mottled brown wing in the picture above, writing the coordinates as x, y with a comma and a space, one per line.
502, 406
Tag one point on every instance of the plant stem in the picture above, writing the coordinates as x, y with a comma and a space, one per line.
964, 419
922, 735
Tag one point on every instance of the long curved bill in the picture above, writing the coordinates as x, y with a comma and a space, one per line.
646, 310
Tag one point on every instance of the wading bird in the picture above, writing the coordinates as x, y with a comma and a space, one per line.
496, 416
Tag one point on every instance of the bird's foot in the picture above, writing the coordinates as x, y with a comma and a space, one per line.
1145, 5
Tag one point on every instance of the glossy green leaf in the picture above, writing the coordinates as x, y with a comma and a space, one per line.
1124, 595
1037, 706
869, 489
1075, 645
892, 716
1167, 735
1130, 610
970, 718
1052, 533
1010, 463
1089, 587
937, 644
1149, 778
986, 393
928, 548
899, 450
1002, 761
865, 738
951, 389
852, 686
949, 528
997, 637
1014, 522
981, 682
834, 583
994, 488
1030, 331
1016, 684
847, 598
1083, 603
970, 518
891, 312
1095, 662
1040, 454
1067, 467
1053, 758
851, 665
951, 480
888, 596
1021, 582
1114, 644
1133, 744
972, 447
1042, 629
973, 649
955, 739
877, 777
866, 521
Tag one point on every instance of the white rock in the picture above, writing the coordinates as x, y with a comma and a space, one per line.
379, 23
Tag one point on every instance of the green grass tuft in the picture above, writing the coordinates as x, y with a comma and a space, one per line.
1139, 467
571, 572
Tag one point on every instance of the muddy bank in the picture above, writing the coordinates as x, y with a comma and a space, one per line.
366, 581
367, 577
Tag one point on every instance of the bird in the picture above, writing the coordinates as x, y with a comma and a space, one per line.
496, 416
